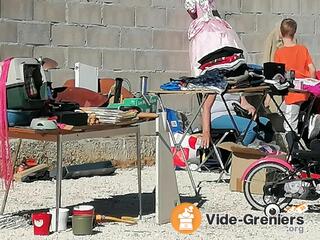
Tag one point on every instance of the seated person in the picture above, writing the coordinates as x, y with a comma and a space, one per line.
215, 116
296, 57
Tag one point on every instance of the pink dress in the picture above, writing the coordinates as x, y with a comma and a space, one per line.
207, 33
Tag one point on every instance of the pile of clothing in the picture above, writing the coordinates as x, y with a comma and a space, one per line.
228, 60
222, 69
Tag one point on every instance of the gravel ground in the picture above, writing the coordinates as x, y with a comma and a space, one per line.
115, 196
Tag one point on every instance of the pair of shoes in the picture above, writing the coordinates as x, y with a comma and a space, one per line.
314, 126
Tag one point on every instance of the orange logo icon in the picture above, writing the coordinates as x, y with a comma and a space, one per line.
186, 218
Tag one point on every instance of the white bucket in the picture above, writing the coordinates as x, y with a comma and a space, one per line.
63, 219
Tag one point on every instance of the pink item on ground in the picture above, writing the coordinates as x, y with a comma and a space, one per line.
6, 166
207, 33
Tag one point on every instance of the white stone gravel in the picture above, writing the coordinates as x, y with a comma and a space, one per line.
115, 195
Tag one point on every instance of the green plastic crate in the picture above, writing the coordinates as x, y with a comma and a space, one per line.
137, 102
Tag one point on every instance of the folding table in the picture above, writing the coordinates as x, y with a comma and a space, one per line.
167, 194
78, 133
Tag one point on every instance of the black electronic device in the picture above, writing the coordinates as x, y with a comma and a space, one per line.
270, 69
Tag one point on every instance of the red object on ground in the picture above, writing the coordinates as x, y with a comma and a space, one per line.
41, 223
178, 159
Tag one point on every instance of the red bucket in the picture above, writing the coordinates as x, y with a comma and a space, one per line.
41, 223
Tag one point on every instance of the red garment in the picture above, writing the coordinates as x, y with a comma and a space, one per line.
218, 61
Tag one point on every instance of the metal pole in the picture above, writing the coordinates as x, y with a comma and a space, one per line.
59, 178
139, 171
15, 157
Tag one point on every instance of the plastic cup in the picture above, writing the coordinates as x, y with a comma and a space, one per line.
41, 223
82, 225
63, 219
83, 210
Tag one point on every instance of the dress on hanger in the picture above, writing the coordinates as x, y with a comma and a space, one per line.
207, 33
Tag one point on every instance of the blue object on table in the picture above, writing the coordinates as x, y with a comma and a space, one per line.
21, 117
171, 86
256, 68
174, 120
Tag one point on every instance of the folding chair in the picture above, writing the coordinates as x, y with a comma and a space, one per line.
217, 137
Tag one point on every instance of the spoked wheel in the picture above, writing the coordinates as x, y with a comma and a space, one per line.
264, 185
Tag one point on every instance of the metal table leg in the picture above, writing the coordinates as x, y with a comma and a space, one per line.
58, 178
178, 145
5, 198
139, 171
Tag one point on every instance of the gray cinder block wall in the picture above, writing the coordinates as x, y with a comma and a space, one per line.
130, 38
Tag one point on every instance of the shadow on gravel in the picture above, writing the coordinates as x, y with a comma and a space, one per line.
124, 205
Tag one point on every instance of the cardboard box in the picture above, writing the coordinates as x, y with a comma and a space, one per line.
242, 157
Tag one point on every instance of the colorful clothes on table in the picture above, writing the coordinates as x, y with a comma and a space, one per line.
218, 61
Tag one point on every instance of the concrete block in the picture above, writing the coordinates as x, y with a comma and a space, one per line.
150, 17
92, 57
181, 103
118, 15
177, 61
168, 3
103, 37
310, 41
256, 58
51, 11
267, 22
316, 60
254, 42
135, 3
60, 76
178, 19
158, 78
150, 60
68, 35
136, 38
254, 6
306, 24
34, 33
132, 75
58, 54
8, 50
310, 7
85, 13
9, 31
172, 40
230, 6
317, 25
118, 59
242, 23
286, 6
185, 42
17, 9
